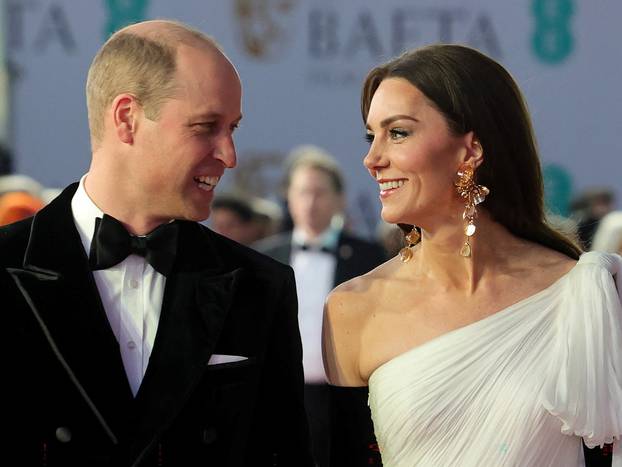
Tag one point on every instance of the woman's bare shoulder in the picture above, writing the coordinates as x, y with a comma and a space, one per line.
346, 313
550, 263
357, 296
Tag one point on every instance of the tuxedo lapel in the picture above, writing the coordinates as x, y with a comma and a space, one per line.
197, 299
344, 256
283, 251
60, 291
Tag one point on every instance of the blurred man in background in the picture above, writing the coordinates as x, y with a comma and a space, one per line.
244, 219
233, 217
323, 255
588, 208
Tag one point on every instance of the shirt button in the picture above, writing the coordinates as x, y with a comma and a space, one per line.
131, 345
134, 283
209, 435
63, 434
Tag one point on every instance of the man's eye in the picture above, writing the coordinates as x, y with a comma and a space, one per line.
205, 126
369, 137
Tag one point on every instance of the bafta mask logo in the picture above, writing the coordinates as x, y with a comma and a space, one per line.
264, 26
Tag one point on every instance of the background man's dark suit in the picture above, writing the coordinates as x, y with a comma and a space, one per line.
70, 402
354, 255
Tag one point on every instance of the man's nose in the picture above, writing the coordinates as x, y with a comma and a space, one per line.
225, 152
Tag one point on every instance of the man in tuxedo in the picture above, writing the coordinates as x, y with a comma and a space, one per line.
136, 336
323, 255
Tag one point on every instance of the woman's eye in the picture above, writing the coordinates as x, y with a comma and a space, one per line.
398, 133
369, 137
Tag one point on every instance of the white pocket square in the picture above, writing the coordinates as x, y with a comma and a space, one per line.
217, 359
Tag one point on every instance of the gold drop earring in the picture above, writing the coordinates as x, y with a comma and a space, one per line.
411, 238
473, 195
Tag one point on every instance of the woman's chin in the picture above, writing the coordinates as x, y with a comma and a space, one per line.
389, 219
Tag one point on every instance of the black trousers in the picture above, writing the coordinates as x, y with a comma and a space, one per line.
352, 443
317, 402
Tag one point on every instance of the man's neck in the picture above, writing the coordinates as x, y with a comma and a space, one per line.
127, 212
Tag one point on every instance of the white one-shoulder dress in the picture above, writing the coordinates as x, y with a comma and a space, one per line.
517, 388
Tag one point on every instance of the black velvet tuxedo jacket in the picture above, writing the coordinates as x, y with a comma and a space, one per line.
67, 399
355, 256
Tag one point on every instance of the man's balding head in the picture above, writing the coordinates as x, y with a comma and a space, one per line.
171, 33
139, 59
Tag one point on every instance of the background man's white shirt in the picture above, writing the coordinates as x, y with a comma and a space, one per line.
315, 277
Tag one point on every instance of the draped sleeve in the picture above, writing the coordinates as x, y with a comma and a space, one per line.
584, 383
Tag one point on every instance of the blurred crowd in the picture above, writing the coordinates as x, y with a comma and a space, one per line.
599, 227
20, 195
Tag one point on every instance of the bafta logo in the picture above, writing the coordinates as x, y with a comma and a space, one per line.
264, 26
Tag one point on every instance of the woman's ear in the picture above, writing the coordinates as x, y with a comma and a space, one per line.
475, 152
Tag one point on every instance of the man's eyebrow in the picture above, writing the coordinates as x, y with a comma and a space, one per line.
211, 116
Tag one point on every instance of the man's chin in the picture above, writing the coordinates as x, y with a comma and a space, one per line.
194, 215
197, 216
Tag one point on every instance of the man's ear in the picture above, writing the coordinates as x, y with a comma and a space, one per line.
124, 114
474, 155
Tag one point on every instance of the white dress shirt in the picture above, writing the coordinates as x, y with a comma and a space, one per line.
131, 293
315, 275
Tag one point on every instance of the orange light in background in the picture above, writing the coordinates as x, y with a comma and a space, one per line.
17, 206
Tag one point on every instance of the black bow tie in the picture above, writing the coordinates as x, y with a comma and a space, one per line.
112, 244
316, 248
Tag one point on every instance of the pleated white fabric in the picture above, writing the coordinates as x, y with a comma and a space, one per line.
518, 388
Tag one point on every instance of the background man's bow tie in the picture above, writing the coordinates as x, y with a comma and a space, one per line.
310, 247
112, 244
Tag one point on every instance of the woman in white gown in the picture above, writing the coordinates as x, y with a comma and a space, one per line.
490, 340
